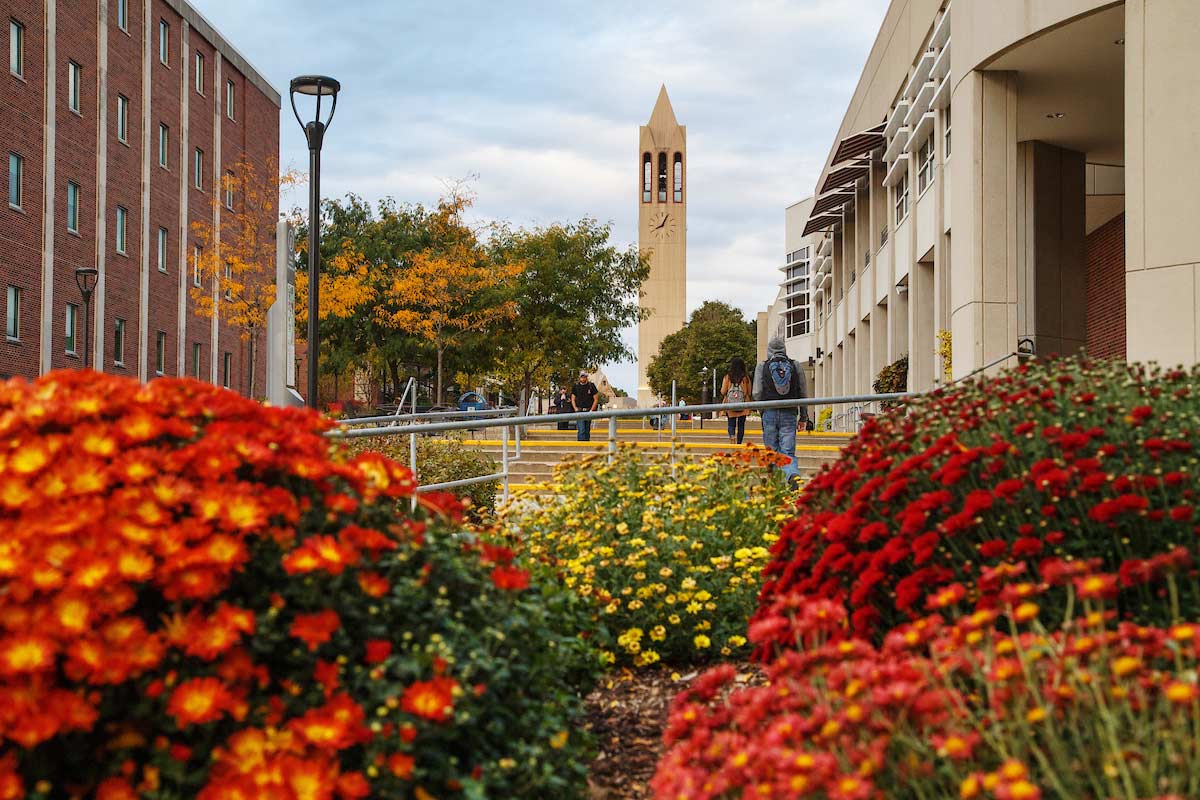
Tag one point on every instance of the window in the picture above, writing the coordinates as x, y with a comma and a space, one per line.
902, 199
196, 279
198, 169
162, 249
228, 280
122, 217
72, 327
199, 73
662, 177
678, 177
229, 190
164, 36
119, 343
123, 15
73, 207
164, 136
123, 118
925, 168
229, 99
947, 153
226, 368
195, 359
16, 173
647, 177
160, 353
74, 85
16, 48
12, 328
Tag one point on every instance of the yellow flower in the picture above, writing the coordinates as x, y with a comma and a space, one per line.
558, 740
701, 641
658, 633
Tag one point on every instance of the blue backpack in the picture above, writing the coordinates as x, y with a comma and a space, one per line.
782, 376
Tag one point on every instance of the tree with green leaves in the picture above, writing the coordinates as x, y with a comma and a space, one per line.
715, 333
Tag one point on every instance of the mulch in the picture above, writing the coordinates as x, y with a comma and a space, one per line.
626, 714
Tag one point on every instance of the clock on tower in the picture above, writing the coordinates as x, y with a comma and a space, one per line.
662, 232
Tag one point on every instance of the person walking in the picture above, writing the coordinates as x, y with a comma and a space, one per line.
584, 396
562, 405
735, 388
780, 378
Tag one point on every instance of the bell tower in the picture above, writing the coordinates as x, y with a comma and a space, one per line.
662, 232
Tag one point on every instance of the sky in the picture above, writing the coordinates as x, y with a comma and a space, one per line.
539, 104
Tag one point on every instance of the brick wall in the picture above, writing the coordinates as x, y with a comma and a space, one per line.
1106, 290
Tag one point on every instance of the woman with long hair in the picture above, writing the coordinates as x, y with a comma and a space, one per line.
735, 388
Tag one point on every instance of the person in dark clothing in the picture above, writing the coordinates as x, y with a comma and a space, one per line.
779, 378
584, 397
562, 405
735, 388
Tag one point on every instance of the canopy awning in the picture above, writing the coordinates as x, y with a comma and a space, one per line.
858, 144
821, 223
844, 175
831, 201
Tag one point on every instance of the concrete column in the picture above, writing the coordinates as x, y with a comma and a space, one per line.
983, 286
50, 108
1051, 265
923, 342
1162, 168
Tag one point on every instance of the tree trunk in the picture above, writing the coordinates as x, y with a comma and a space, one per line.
394, 374
250, 359
438, 396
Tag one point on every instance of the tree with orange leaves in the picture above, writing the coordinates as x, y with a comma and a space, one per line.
237, 256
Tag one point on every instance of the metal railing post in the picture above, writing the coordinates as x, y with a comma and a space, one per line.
612, 439
673, 418
504, 462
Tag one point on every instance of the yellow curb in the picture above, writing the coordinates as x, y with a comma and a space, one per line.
601, 445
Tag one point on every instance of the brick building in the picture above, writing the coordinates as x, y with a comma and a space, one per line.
120, 117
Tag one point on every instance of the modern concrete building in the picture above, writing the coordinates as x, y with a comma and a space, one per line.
791, 313
1054, 208
121, 119
662, 232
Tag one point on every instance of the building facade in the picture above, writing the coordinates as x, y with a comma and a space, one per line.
1011, 177
122, 118
791, 313
662, 233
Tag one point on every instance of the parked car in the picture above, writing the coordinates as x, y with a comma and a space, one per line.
473, 401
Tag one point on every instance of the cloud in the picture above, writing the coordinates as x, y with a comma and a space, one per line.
542, 102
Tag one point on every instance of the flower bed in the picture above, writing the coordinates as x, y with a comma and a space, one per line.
203, 599
669, 559
1061, 459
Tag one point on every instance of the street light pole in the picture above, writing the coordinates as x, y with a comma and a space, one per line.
318, 86
85, 279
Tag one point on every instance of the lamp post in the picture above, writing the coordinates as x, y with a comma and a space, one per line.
319, 86
85, 279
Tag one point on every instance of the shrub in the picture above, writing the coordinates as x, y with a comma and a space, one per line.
441, 459
669, 558
893, 377
200, 602
1093, 709
1071, 459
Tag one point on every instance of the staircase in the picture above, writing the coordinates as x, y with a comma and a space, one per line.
543, 446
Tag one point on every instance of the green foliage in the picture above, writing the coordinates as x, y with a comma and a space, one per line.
670, 558
441, 459
893, 377
715, 334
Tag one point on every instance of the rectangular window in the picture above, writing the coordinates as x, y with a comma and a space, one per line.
947, 114
73, 208
902, 199
229, 190
122, 217
164, 137
16, 48
123, 15
12, 328
925, 170
74, 85
164, 37
196, 279
160, 353
16, 174
123, 118
199, 73
119, 343
228, 280
229, 99
198, 169
162, 249
195, 359
226, 368
72, 329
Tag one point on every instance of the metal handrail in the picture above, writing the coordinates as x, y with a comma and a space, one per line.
490, 412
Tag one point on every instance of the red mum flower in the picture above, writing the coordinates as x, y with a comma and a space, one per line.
378, 650
315, 629
511, 578
432, 699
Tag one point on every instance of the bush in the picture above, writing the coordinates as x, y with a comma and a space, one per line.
670, 559
1093, 709
200, 602
1070, 459
441, 459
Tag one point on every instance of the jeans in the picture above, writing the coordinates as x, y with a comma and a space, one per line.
779, 434
737, 425
584, 431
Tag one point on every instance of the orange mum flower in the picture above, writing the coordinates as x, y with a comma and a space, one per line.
373, 584
432, 700
26, 653
198, 701
315, 629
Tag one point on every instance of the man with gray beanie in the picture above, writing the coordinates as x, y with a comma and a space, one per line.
780, 378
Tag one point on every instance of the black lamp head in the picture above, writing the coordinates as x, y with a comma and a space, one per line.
319, 86
85, 279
